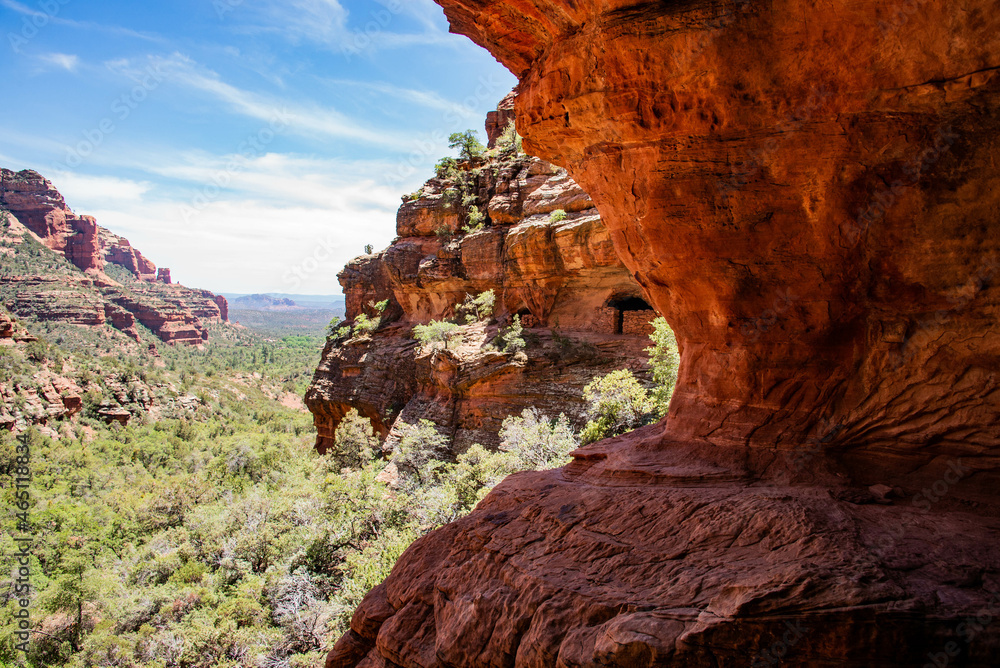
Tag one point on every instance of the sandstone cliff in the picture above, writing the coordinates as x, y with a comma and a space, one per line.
35, 202
808, 194
38, 287
558, 271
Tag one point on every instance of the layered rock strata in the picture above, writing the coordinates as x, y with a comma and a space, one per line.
34, 208
808, 195
548, 258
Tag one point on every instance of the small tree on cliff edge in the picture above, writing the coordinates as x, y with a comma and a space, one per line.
467, 143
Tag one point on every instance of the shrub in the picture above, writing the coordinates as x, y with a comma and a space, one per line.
369, 249
557, 216
618, 404
476, 220
434, 332
664, 358
37, 351
333, 329
512, 337
365, 325
477, 308
467, 143
445, 167
417, 454
536, 441
510, 142
354, 442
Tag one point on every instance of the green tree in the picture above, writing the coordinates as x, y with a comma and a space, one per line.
332, 328
617, 404
354, 442
476, 220
512, 337
510, 143
477, 308
434, 332
664, 358
366, 325
467, 143
418, 453
536, 441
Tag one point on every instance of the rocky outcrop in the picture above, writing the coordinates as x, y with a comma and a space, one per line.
223, 304
119, 251
37, 205
173, 313
497, 121
35, 209
808, 195
559, 273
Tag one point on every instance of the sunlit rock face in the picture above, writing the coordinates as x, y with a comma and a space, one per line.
809, 193
559, 273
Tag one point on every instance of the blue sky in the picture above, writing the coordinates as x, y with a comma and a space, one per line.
249, 145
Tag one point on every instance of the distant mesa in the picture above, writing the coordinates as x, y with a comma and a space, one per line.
261, 302
119, 286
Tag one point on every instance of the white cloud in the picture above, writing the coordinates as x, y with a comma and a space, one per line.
424, 98
80, 188
319, 21
245, 245
82, 25
63, 60
285, 224
305, 119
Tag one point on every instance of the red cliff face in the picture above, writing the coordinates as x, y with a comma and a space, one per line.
173, 312
39, 207
223, 305
558, 272
808, 194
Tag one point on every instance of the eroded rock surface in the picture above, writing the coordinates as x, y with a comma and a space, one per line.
34, 210
808, 194
558, 272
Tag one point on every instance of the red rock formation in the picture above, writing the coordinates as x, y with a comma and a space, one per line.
169, 318
39, 207
83, 249
50, 397
223, 305
173, 312
7, 326
497, 121
808, 194
557, 273
122, 320
119, 251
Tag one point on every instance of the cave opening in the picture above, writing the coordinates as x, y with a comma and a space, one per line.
623, 305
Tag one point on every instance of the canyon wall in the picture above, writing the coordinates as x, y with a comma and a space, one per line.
808, 194
36, 212
548, 258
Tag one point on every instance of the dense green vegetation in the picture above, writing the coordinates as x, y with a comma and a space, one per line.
224, 539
